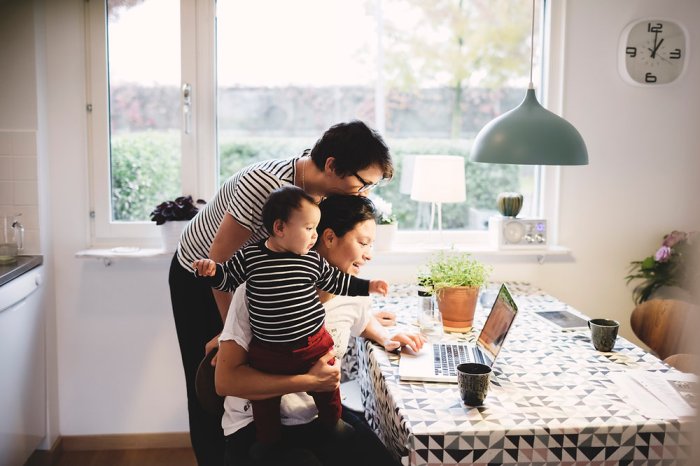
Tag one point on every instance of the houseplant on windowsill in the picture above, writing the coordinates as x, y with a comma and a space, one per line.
671, 272
455, 280
171, 218
387, 225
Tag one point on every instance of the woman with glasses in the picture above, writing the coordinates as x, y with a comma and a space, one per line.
349, 158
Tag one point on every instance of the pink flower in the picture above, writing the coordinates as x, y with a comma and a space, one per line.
674, 238
663, 254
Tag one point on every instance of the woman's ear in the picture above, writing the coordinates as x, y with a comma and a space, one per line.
329, 167
328, 238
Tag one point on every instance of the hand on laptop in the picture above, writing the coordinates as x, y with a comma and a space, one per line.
412, 341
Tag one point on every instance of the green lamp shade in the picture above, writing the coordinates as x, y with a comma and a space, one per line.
529, 135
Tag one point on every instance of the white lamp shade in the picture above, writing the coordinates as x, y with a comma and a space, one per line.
438, 178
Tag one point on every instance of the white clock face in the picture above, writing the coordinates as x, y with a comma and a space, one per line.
653, 52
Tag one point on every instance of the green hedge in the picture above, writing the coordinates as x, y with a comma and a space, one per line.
146, 171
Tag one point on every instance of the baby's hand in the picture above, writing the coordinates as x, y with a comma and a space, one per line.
204, 267
379, 287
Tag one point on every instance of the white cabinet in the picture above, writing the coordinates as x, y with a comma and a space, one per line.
22, 369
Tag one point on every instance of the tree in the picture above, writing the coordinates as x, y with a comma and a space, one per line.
455, 43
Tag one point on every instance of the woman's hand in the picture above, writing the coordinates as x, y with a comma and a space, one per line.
414, 341
326, 373
386, 318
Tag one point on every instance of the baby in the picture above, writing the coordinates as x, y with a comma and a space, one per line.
282, 274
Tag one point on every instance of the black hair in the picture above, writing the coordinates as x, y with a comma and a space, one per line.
341, 212
354, 146
281, 203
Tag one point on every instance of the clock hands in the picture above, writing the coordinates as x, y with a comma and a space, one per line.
656, 46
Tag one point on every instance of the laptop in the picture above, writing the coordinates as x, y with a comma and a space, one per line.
437, 362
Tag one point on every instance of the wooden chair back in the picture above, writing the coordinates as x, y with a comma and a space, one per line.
684, 362
664, 325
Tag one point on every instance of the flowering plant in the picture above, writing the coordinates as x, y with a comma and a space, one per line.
384, 210
669, 266
182, 208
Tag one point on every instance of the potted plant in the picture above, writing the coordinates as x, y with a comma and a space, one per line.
172, 216
455, 280
668, 273
387, 225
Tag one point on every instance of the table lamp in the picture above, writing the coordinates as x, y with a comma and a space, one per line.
438, 179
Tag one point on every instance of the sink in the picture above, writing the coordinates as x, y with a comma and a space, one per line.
23, 265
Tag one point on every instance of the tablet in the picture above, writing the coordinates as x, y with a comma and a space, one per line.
563, 320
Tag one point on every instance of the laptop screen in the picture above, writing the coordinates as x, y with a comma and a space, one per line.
498, 323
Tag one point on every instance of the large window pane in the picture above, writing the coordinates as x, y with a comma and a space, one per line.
144, 76
450, 67
286, 72
427, 73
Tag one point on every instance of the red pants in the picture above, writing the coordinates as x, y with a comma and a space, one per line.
289, 359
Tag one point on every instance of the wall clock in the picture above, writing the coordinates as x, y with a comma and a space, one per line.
653, 52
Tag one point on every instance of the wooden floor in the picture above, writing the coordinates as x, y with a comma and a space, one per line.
149, 457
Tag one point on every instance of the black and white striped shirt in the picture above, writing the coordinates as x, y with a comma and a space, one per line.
281, 289
242, 196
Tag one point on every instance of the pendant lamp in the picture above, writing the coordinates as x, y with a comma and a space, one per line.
530, 134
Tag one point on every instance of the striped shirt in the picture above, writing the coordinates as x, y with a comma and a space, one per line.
242, 196
281, 289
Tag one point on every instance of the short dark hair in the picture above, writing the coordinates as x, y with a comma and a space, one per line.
355, 146
281, 203
341, 212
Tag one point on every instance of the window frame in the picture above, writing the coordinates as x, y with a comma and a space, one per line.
199, 147
198, 173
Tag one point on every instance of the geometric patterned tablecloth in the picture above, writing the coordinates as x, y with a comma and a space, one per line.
551, 400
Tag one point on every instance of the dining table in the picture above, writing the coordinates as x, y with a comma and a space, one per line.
552, 399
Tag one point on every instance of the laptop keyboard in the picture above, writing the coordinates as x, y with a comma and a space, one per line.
449, 356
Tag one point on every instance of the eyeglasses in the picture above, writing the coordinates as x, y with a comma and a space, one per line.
366, 185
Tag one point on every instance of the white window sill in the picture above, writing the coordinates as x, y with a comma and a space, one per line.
120, 253
402, 253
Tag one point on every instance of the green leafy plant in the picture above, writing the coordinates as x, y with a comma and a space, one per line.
669, 266
182, 208
446, 270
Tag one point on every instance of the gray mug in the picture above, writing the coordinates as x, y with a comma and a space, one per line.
473, 380
603, 333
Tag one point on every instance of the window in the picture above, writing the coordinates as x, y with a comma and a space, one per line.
186, 107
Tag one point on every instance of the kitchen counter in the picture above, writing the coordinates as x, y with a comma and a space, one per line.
23, 265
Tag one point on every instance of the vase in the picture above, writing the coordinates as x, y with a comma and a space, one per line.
509, 204
457, 306
384, 239
170, 233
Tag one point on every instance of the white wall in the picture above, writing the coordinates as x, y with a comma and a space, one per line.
118, 363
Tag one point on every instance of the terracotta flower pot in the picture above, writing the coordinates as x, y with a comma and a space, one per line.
457, 306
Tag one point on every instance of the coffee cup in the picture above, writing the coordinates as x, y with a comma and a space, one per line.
473, 381
603, 333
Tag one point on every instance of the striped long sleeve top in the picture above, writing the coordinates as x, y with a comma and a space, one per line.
281, 289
